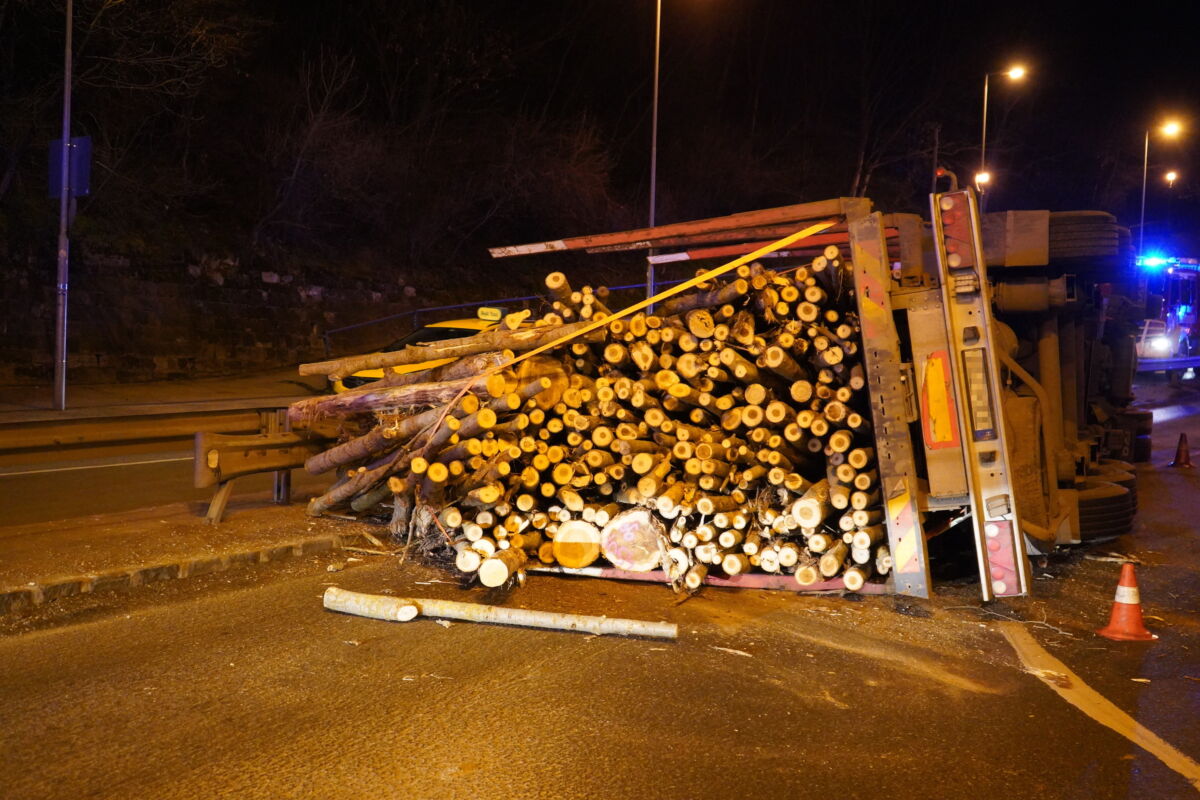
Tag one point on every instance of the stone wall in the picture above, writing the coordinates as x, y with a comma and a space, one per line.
131, 321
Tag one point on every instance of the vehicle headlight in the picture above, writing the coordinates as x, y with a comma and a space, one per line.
1160, 343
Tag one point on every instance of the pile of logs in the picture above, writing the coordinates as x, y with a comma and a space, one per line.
725, 432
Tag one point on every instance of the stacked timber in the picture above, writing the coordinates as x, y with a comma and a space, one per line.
724, 433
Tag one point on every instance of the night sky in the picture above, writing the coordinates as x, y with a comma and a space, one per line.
421, 132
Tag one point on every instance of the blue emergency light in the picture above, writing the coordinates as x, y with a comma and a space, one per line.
1155, 263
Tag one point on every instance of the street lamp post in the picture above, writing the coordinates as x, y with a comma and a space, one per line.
1169, 129
64, 241
1014, 73
654, 144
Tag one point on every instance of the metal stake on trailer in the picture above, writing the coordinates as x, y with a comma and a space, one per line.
999, 543
892, 405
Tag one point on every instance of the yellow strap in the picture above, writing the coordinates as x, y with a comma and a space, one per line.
715, 272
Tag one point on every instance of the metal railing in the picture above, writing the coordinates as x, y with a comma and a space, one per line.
414, 316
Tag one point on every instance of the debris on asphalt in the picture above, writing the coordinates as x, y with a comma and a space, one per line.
731, 650
1116, 557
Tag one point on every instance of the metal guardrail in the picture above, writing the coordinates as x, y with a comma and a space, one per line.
415, 315
24, 439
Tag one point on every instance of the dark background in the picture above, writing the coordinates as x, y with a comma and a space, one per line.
406, 136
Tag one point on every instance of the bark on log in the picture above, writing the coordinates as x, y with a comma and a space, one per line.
498, 569
464, 368
518, 341
811, 510
831, 562
416, 394
807, 573
371, 445
854, 577
686, 302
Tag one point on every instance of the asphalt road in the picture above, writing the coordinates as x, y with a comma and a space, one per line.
241, 685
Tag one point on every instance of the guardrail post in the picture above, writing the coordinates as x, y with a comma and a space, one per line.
277, 422
216, 507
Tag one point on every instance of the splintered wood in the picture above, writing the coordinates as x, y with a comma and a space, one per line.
725, 433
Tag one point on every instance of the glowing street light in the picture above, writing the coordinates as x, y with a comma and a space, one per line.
1170, 129
982, 179
1171, 177
1014, 73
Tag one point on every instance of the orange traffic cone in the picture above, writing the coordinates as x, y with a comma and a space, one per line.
1125, 624
1182, 457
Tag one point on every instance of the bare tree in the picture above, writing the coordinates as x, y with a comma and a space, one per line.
296, 148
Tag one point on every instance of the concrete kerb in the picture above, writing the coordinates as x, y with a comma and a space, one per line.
17, 598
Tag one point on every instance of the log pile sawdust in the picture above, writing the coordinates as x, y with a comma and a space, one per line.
726, 432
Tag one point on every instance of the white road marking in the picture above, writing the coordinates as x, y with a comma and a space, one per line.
105, 465
1071, 688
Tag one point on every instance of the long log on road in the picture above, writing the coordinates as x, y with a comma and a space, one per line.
518, 341
402, 609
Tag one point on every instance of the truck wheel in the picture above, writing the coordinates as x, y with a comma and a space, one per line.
1105, 509
1111, 471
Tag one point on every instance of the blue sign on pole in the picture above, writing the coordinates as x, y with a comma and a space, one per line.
81, 166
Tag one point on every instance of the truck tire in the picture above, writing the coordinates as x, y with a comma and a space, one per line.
1105, 509
1143, 421
1142, 449
1109, 470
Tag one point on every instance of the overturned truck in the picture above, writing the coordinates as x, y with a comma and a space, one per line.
831, 390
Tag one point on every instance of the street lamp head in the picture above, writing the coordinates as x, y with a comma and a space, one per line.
1171, 177
983, 178
1016, 72
1171, 128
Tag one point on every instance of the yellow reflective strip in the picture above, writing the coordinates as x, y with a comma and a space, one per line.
940, 429
906, 548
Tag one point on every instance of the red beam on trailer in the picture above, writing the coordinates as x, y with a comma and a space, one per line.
649, 237
741, 248
770, 233
837, 234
